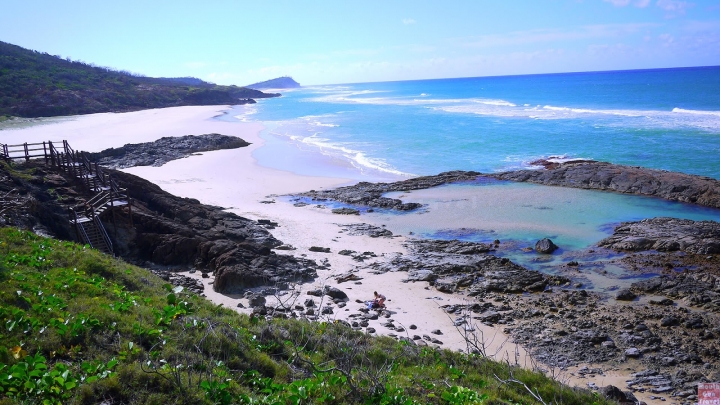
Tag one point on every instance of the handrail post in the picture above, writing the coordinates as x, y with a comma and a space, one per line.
27, 152
45, 153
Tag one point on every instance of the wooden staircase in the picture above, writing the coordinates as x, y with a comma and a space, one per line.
108, 195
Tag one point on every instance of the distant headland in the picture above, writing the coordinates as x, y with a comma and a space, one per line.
285, 82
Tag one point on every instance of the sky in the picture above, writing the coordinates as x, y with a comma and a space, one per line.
330, 42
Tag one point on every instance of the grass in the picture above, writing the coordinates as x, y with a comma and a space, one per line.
80, 327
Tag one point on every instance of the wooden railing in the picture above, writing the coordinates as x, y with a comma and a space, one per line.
76, 163
25, 151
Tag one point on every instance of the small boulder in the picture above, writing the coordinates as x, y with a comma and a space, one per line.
319, 249
625, 295
545, 245
632, 352
346, 211
335, 293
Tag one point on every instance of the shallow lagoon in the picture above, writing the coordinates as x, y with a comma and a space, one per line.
523, 213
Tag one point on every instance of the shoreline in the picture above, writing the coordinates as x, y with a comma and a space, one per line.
243, 186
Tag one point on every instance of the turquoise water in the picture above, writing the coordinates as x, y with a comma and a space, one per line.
667, 119
524, 213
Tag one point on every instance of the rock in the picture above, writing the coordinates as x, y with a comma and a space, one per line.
413, 327
319, 249
614, 393
346, 252
437, 332
625, 295
666, 235
421, 275
371, 194
327, 311
309, 303
669, 320
346, 211
545, 245
367, 230
310, 311
632, 352
163, 150
370, 330
240, 305
335, 293
256, 300
315, 293
624, 179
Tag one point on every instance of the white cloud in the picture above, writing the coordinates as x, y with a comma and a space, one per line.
674, 7
624, 3
556, 35
618, 3
408, 21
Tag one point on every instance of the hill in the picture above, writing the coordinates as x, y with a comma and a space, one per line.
285, 82
35, 84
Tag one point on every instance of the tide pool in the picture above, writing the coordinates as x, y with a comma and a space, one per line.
523, 213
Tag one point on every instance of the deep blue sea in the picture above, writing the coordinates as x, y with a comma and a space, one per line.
667, 119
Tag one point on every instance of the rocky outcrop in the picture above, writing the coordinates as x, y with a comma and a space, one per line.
451, 266
177, 231
666, 234
624, 179
370, 194
697, 289
164, 150
365, 229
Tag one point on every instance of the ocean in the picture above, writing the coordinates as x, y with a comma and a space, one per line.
665, 119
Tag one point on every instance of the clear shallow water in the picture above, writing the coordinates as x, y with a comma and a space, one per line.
667, 119
572, 218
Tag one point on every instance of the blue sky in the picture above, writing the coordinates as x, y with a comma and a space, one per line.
323, 42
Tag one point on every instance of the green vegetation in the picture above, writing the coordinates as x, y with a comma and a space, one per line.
78, 327
34, 84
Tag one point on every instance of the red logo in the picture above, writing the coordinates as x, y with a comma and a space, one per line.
709, 394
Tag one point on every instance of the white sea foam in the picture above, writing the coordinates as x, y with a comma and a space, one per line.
357, 158
696, 112
677, 118
245, 116
296, 131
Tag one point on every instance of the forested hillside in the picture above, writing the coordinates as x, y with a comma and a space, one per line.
35, 84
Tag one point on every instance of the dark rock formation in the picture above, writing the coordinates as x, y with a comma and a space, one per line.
365, 229
163, 150
545, 245
454, 265
176, 231
345, 211
370, 194
624, 179
666, 234
625, 295
698, 289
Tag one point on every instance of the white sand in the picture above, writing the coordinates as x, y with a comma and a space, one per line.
233, 179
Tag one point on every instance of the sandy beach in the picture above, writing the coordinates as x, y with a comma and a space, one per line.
233, 179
